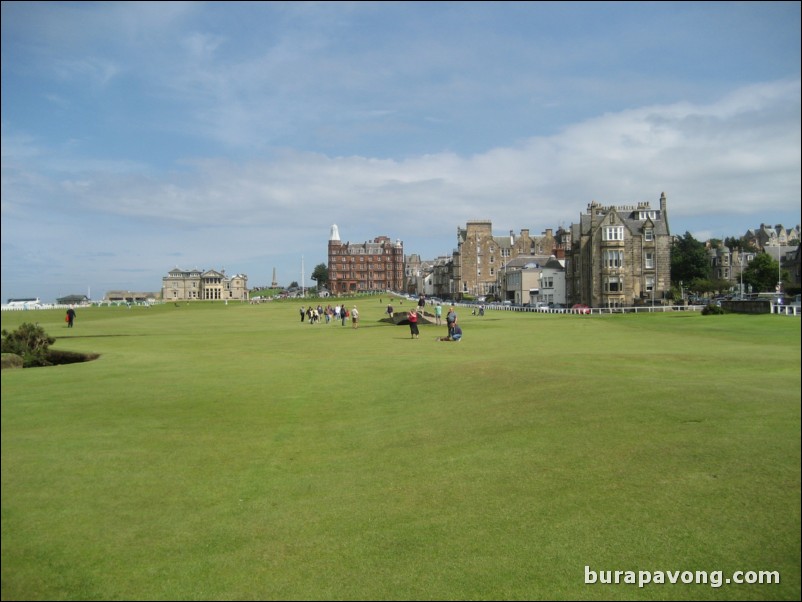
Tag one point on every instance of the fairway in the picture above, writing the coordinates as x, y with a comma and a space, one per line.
231, 452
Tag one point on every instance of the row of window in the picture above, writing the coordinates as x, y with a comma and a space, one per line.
360, 251
616, 233
226, 285
614, 258
615, 284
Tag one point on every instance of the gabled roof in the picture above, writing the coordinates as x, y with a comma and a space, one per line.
526, 262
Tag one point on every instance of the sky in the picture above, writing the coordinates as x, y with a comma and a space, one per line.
142, 136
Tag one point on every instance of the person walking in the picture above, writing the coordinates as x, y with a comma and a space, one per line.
438, 314
70, 317
413, 323
355, 317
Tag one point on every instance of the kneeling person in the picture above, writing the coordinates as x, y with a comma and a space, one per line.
456, 334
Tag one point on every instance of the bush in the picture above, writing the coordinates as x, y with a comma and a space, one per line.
29, 341
712, 310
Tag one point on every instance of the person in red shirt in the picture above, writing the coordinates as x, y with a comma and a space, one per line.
413, 322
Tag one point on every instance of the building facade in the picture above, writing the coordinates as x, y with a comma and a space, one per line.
208, 285
480, 258
619, 256
375, 266
772, 236
552, 283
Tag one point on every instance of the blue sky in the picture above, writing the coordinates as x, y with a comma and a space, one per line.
137, 137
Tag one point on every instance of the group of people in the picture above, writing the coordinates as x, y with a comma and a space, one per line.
454, 330
337, 313
341, 313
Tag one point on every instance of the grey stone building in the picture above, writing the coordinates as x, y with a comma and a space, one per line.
619, 256
480, 257
772, 236
208, 285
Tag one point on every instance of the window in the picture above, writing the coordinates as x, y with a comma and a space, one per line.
613, 233
613, 284
648, 234
649, 284
613, 259
648, 260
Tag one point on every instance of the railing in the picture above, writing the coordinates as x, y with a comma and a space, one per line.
588, 310
785, 310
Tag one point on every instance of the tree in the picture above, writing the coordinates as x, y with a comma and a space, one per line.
320, 275
742, 244
689, 260
762, 273
29, 341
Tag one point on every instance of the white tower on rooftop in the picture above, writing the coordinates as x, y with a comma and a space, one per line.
335, 233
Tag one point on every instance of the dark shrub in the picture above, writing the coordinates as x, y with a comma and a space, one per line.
29, 341
712, 310
59, 357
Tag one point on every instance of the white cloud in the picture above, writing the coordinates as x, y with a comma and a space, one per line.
740, 154
210, 133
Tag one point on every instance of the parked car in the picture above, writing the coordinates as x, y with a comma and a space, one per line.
581, 308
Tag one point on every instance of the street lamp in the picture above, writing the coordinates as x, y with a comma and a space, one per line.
779, 270
779, 286
741, 270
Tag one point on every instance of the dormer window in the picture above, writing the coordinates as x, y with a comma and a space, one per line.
613, 233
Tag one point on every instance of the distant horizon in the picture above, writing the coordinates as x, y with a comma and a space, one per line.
313, 284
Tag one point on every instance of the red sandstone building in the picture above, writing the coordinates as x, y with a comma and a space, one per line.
365, 267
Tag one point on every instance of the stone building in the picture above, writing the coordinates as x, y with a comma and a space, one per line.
772, 236
442, 277
414, 274
119, 296
619, 256
376, 266
208, 285
480, 257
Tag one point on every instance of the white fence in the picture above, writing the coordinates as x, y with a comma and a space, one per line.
587, 310
785, 310
28, 306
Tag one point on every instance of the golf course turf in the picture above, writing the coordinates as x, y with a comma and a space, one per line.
233, 452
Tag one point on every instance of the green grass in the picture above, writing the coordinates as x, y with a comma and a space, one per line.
230, 452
